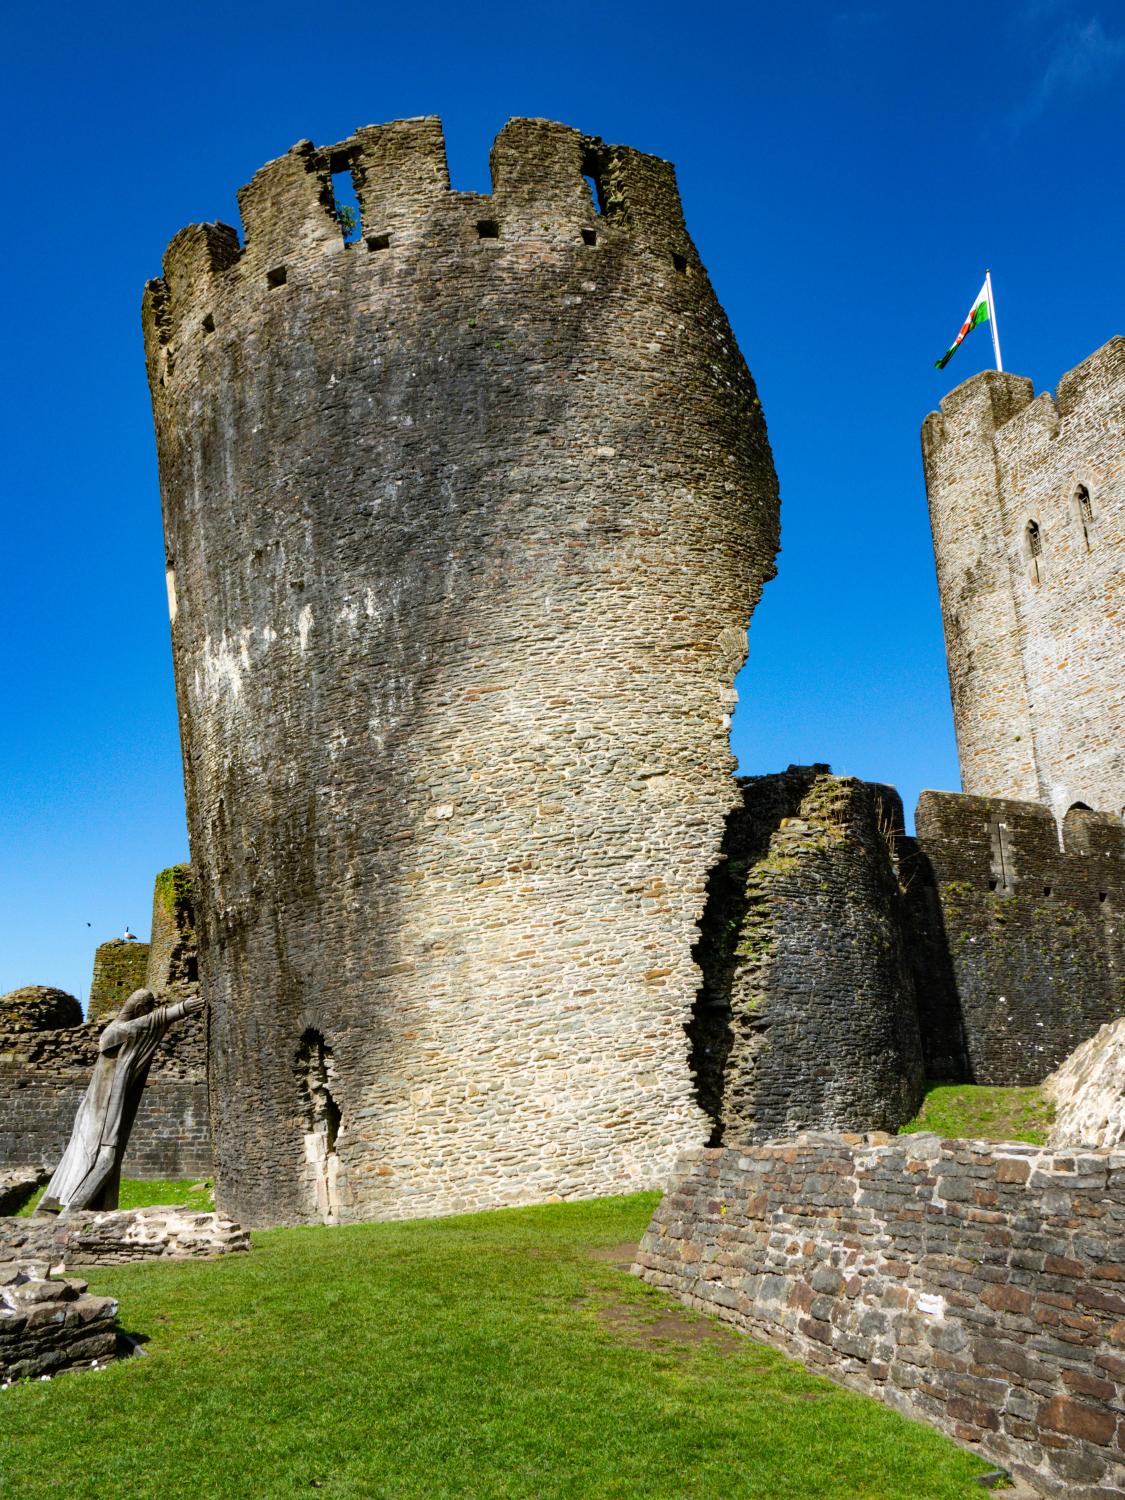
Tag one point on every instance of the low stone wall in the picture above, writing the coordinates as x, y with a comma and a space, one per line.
50, 1326
17, 1185
978, 1286
118, 1237
44, 1074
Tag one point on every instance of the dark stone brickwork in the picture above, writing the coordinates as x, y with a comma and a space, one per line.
1018, 946
464, 523
980, 1287
1027, 505
120, 968
44, 1074
806, 1015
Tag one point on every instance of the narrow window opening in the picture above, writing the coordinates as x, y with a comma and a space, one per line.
321, 1123
992, 885
277, 277
345, 202
1034, 547
378, 242
1085, 512
593, 182
589, 236
488, 229
1047, 889
209, 323
680, 263
1102, 895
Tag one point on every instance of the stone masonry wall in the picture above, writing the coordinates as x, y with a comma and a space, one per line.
464, 523
1018, 946
980, 1287
806, 1016
1027, 505
44, 1074
120, 968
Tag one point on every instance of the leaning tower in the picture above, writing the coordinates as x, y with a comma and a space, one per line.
464, 523
1027, 505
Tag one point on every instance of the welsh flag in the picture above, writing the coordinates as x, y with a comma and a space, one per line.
978, 313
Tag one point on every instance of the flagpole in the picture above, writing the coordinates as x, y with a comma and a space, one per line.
992, 320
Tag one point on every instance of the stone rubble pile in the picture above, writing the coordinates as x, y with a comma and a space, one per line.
47, 1326
119, 1236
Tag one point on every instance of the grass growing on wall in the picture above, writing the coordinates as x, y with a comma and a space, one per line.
491, 1357
977, 1111
136, 1194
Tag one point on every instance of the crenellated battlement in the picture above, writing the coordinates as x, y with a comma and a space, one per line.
541, 193
979, 408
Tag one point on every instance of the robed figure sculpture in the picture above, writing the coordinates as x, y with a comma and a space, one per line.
89, 1173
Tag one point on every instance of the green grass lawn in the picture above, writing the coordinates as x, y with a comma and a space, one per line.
493, 1355
135, 1194
987, 1114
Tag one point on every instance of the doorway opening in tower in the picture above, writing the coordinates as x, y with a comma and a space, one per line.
321, 1122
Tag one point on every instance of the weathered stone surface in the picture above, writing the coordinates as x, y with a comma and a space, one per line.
978, 1286
17, 1185
38, 1007
83, 1237
806, 1015
1089, 1091
464, 523
120, 968
1018, 946
47, 1326
1027, 505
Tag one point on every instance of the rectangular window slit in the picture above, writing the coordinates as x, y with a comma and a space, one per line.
1047, 889
488, 229
1102, 895
680, 263
209, 323
378, 242
345, 201
277, 277
589, 236
992, 884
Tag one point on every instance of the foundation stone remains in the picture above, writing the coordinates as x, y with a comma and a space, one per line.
49, 1325
978, 1286
1027, 505
464, 524
38, 1007
84, 1237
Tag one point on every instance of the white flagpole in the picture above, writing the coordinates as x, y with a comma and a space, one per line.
992, 320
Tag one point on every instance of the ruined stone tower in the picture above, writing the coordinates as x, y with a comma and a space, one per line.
464, 523
1027, 504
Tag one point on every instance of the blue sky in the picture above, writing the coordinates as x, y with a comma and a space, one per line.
848, 171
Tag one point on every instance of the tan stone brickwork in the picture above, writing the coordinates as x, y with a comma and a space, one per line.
978, 1286
1035, 618
464, 524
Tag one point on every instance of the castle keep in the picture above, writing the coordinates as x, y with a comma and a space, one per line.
1027, 504
464, 524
